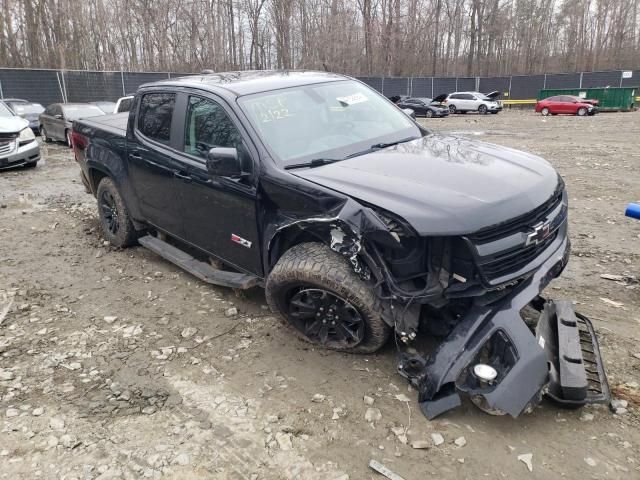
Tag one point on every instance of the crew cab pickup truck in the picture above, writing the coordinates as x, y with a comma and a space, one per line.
358, 222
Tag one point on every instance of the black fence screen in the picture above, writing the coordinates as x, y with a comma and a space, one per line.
52, 86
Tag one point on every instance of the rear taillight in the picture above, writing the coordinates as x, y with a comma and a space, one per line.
79, 141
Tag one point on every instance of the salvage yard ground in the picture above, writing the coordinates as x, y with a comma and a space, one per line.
116, 364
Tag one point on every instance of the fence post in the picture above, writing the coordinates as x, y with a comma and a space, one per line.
410, 86
544, 84
2, 94
510, 78
621, 77
581, 79
477, 84
124, 94
456, 84
431, 87
382, 86
64, 88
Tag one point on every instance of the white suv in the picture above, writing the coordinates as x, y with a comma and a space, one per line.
464, 102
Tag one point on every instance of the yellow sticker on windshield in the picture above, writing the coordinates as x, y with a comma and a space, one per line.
353, 99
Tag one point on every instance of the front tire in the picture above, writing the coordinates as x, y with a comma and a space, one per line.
324, 302
582, 111
429, 114
115, 218
452, 109
482, 109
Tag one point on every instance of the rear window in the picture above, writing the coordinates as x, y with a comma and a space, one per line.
76, 112
155, 114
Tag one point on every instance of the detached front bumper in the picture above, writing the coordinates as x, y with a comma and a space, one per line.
562, 359
20, 155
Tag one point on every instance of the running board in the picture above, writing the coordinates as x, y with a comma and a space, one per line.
202, 270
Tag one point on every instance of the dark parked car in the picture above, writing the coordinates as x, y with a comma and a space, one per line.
18, 145
105, 106
56, 120
358, 222
424, 107
30, 111
568, 105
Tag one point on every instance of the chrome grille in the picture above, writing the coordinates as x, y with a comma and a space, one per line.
7, 146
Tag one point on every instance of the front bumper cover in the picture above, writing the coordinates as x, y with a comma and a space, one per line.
21, 155
561, 360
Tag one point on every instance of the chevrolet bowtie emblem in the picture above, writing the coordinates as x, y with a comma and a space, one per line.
540, 232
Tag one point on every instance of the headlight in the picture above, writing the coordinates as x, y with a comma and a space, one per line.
26, 136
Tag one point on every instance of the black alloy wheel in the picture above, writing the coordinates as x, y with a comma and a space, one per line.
325, 318
109, 209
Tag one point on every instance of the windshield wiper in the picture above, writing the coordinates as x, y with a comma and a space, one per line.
316, 162
391, 144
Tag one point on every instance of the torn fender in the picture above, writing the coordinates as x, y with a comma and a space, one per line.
341, 228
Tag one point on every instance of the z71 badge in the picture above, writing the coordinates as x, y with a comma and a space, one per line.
240, 240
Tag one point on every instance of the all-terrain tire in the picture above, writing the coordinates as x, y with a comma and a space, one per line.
315, 265
110, 202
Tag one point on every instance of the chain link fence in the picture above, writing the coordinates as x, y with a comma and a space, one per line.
52, 86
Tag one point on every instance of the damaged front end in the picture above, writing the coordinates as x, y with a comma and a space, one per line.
470, 291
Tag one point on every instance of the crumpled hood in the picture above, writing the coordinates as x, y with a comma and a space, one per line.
443, 184
12, 124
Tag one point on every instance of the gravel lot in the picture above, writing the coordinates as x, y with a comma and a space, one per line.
116, 364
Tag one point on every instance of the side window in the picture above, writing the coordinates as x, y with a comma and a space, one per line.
155, 114
454, 97
468, 96
208, 126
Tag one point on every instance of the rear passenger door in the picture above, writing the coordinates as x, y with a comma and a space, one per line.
153, 167
219, 212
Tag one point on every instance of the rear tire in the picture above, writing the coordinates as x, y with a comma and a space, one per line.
115, 218
545, 111
582, 111
324, 302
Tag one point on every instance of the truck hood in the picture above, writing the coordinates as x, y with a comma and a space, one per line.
443, 184
12, 124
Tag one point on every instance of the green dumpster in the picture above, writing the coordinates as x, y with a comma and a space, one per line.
610, 99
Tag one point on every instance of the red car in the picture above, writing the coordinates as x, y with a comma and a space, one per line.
567, 104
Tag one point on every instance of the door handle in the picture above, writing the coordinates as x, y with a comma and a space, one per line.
135, 156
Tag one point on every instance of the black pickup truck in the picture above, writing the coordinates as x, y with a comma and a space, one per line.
358, 222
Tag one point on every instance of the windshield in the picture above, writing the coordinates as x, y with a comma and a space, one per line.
4, 111
22, 108
81, 111
328, 120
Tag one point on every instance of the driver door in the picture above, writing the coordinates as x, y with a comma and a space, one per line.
219, 213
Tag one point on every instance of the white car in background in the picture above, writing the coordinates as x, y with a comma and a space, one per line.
463, 102
18, 145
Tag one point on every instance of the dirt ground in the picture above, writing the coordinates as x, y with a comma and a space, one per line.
116, 364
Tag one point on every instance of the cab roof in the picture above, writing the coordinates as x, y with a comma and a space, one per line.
250, 81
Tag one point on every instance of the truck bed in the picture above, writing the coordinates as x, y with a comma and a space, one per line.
115, 123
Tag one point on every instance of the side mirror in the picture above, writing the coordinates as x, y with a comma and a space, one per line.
409, 112
58, 116
223, 162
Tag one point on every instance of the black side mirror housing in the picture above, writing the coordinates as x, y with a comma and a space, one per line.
223, 162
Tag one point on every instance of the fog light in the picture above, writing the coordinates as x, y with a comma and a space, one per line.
485, 372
